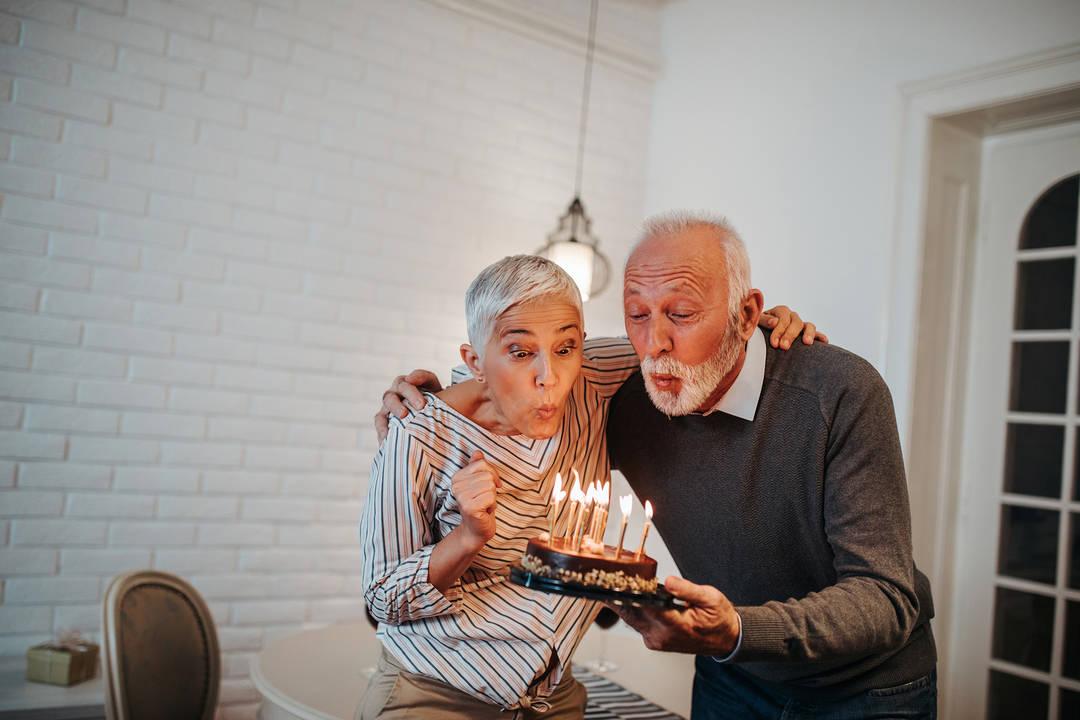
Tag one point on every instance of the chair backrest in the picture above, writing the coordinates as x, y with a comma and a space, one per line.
161, 657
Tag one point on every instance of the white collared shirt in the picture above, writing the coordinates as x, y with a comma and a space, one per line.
741, 399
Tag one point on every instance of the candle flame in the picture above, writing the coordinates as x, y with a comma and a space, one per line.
626, 503
558, 494
592, 495
648, 510
576, 495
605, 494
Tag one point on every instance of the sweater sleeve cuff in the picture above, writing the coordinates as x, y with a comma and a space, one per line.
738, 644
762, 636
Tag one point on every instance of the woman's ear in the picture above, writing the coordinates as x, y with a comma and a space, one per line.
472, 360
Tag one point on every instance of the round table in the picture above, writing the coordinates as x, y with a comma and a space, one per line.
317, 674
321, 673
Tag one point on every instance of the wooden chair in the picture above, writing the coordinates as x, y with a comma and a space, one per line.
160, 656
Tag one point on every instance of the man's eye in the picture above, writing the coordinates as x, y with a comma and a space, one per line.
567, 350
681, 316
638, 316
520, 354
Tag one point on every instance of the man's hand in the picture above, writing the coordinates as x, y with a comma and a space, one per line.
787, 325
709, 626
404, 389
474, 489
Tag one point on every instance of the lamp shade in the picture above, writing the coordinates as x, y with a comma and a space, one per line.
573, 247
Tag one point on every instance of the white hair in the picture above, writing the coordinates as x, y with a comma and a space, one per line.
736, 259
512, 281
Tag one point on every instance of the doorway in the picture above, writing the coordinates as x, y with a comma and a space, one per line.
982, 517
1015, 648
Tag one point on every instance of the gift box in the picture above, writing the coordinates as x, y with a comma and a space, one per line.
61, 664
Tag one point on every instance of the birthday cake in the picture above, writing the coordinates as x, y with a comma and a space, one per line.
593, 564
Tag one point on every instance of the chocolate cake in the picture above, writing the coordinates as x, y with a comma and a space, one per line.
593, 565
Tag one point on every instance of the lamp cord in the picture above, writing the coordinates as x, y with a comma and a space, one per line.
585, 96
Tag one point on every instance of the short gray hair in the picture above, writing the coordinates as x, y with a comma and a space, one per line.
736, 258
512, 281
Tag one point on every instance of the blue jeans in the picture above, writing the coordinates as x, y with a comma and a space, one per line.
723, 693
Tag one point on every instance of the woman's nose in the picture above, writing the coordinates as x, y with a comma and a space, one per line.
545, 372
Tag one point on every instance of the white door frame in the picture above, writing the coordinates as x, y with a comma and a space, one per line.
1015, 79
935, 488
1017, 169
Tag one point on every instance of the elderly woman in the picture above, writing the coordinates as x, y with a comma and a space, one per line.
459, 487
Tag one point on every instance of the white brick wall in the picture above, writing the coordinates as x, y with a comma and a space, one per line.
224, 225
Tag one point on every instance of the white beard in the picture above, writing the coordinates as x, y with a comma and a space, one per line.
696, 382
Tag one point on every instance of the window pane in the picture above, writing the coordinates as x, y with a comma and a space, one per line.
1033, 457
1074, 551
1051, 221
1029, 540
1013, 697
1071, 666
1039, 373
1076, 469
1044, 294
1069, 705
1023, 628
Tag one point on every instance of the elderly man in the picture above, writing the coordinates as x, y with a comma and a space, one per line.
780, 493
784, 498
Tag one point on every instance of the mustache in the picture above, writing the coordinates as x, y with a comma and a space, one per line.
665, 365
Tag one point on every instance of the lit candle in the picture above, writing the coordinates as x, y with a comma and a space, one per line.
601, 521
577, 501
607, 505
557, 496
626, 504
645, 530
594, 490
585, 517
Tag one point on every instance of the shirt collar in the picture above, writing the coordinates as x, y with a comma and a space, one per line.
741, 399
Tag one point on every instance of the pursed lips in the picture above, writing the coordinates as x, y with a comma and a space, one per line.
664, 382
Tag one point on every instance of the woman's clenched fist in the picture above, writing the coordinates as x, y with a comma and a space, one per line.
474, 488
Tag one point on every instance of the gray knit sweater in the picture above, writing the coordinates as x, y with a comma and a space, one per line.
800, 517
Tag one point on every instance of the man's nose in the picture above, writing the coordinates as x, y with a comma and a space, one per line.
657, 338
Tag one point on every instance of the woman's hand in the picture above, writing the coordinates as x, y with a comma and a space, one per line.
787, 325
474, 487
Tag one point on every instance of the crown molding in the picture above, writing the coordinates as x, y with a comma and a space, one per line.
550, 29
1063, 57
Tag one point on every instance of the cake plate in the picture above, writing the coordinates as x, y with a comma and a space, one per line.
659, 599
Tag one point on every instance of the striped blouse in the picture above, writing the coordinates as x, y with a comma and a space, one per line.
485, 636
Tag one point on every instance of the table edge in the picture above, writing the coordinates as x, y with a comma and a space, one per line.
272, 694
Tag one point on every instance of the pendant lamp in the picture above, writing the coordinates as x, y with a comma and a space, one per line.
572, 244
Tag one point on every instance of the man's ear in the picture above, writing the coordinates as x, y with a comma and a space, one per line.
750, 313
471, 359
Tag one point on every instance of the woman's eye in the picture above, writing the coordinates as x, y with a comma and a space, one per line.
521, 354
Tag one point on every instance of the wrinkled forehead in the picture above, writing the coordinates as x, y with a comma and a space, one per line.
542, 316
680, 264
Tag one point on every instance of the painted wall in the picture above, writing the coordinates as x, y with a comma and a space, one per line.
786, 117
224, 226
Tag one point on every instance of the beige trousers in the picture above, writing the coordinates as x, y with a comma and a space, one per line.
397, 694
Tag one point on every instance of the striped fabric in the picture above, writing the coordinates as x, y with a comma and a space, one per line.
485, 636
610, 701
